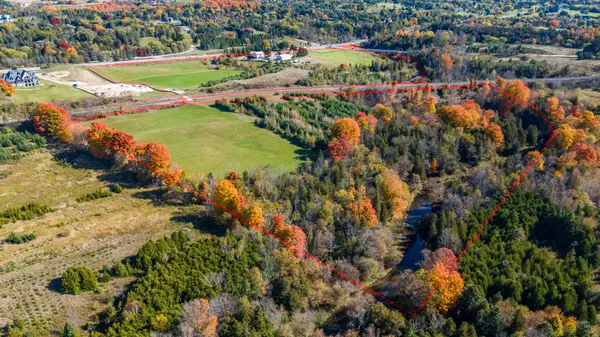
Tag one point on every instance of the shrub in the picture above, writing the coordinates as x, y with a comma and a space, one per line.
78, 279
117, 188
25, 212
100, 193
17, 239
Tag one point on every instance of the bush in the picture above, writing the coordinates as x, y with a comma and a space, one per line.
117, 188
94, 195
78, 279
26, 212
17, 239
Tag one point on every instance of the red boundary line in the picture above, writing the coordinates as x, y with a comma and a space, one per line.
182, 101
311, 257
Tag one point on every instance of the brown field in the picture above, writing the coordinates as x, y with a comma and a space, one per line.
93, 233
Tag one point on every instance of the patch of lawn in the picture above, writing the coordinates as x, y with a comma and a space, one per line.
48, 92
178, 75
204, 139
337, 57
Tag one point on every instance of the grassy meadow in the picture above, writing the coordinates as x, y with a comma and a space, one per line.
45, 93
205, 140
93, 233
337, 57
177, 75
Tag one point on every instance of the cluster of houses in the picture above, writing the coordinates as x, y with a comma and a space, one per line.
21, 78
260, 56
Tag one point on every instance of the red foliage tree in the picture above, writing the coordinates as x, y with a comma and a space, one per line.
339, 149
586, 153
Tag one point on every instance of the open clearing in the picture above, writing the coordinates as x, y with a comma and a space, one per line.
176, 75
91, 233
203, 140
46, 93
337, 57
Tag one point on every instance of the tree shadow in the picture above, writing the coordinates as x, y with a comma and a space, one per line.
126, 179
202, 223
54, 285
77, 158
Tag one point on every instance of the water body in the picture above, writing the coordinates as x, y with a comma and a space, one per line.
413, 255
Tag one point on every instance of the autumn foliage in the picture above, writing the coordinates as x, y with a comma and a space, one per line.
7, 88
367, 122
555, 112
345, 135
395, 191
439, 270
254, 215
517, 94
227, 195
469, 116
382, 112
346, 128
53, 121
292, 235
363, 212
197, 319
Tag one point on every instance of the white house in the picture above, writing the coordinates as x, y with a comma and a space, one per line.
284, 57
256, 55
21, 78
4, 18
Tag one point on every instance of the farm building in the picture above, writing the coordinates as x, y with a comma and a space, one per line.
21, 78
284, 57
256, 55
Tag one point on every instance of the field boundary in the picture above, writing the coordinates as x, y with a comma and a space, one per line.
315, 259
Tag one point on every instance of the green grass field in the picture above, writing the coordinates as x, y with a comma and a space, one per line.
179, 75
46, 93
337, 57
202, 139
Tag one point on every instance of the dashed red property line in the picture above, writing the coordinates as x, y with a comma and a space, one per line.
311, 257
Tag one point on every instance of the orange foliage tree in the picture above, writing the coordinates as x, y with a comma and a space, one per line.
395, 191
54, 121
363, 212
555, 112
439, 268
292, 235
345, 135
494, 131
99, 138
467, 115
518, 93
155, 155
447, 62
7, 88
346, 128
585, 153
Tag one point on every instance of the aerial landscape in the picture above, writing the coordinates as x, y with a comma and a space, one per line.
281, 168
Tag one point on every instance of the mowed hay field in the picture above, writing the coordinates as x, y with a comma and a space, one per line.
202, 139
46, 93
337, 57
93, 233
175, 75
